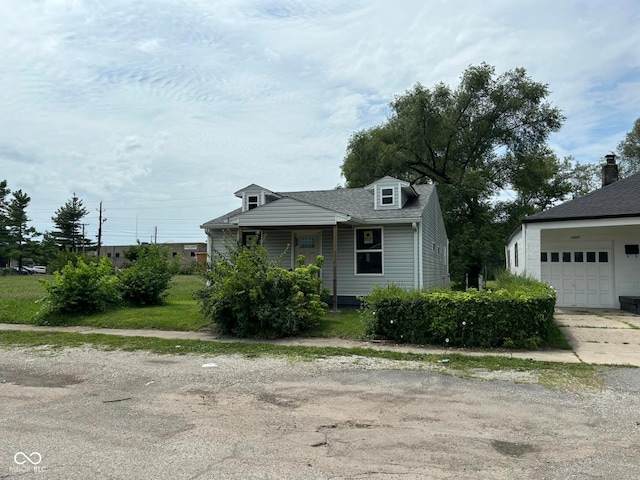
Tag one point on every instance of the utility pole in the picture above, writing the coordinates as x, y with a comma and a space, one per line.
82, 239
100, 222
155, 235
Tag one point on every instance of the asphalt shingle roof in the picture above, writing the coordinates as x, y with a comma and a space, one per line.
355, 202
619, 199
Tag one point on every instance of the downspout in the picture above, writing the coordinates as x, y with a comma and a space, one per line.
416, 255
524, 248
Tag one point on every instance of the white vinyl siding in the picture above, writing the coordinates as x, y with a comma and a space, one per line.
552, 248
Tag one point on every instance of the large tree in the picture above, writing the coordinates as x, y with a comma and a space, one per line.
629, 151
20, 235
69, 233
478, 142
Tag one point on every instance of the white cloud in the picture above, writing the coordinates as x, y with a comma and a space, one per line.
162, 109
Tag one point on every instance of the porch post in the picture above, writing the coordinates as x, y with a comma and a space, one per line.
240, 236
335, 267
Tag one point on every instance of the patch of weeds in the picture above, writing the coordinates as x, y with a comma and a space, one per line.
630, 325
555, 338
557, 376
574, 378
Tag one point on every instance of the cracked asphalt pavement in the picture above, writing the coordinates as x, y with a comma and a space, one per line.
92, 414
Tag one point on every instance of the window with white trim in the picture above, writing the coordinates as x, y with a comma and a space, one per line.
368, 250
386, 196
252, 202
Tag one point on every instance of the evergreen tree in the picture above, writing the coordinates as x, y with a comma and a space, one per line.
19, 234
68, 222
4, 236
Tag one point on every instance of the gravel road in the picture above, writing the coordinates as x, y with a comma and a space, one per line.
84, 413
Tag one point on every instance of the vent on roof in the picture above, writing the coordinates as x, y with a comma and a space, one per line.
609, 170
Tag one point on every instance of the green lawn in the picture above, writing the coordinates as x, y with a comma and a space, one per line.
345, 324
19, 296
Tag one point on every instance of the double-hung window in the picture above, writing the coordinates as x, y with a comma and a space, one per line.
369, 253
252, 202
386, 196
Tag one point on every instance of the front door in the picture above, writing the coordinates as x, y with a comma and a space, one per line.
307, 243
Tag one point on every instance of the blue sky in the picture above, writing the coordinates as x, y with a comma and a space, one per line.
162, 109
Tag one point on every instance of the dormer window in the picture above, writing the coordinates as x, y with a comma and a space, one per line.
252, 202
386, 196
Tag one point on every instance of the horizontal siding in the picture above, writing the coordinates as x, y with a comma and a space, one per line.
397, 257
435, 269
289, 211
277, 243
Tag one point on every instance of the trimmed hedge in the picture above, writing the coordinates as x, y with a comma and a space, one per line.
515, 316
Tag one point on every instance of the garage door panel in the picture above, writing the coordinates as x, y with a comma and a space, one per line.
593, 284
587, 282
605, 285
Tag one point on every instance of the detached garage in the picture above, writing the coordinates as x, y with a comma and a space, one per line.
588, 249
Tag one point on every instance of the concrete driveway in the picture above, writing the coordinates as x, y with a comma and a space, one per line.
602, 336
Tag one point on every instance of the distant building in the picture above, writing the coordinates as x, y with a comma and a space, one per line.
187, 254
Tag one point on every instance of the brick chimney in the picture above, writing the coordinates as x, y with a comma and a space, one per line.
609, 170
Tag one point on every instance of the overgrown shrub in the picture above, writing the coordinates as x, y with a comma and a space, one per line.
81, 288
147, 280
517, 315
63, 257
249, 295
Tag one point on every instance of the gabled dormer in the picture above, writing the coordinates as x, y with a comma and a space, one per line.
390, 193
254, 195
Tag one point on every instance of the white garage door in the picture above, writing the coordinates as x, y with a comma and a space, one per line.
581, 278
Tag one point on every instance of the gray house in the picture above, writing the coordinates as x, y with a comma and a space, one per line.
388, 232
587, 248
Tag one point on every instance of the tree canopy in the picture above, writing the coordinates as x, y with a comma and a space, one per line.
484, 144
629, 151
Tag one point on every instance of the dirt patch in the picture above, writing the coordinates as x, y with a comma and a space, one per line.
513, 449
30, 379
